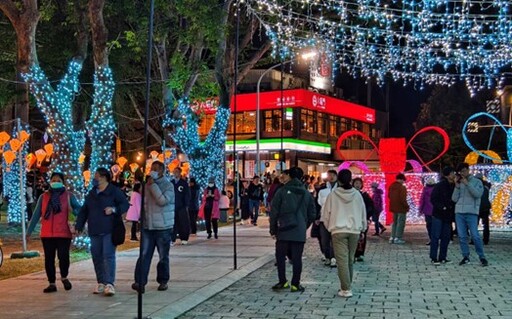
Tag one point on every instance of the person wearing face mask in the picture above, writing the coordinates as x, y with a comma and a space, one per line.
101, 204
158, 224
181, 202
210, 208
53, 209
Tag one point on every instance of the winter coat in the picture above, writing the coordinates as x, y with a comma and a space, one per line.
292, 212
194, 197
93, 210
467, 197
159, 205
57, 225
133, 213
398, 198
485, 204
425, 204
255, 192
181, 193
215, 208
377, 200
344, 212
443, 207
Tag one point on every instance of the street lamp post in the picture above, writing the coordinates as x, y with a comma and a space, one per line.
258, 124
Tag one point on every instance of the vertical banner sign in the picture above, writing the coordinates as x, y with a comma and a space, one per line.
320, 73
118, 146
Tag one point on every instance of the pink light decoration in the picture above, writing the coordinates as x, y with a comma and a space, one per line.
360, 165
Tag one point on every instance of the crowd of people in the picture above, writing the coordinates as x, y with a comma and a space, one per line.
338, 212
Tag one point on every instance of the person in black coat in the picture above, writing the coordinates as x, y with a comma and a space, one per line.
255, 194
442, 216
193, 207
182, 200
485, 208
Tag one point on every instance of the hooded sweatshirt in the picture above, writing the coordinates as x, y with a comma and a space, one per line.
344, 212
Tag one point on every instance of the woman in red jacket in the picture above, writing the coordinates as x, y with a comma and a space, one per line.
53, 208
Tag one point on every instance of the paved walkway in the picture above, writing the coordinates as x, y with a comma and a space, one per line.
395, 281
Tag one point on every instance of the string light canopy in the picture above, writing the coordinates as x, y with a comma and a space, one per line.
423, 42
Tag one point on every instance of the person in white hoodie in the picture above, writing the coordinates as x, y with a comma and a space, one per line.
344, 215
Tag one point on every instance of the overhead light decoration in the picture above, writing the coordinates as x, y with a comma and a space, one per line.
420, 42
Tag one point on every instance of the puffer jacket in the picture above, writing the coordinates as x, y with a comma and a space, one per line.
159, 205
467, 197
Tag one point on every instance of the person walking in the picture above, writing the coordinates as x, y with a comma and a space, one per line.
224, 204
53, 209
325, 236
193, 206
158, 224
358, 184
133, 214
485, 208
344, 215
292, 212
467, 195
443, 209
255, 193
399, 207
102, 202
182, 200
425, 207
378, 207
211, 211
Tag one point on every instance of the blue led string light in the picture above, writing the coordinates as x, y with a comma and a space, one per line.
101, 126
57, 108
206, 158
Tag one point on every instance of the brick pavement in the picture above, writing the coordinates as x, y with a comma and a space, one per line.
394, 281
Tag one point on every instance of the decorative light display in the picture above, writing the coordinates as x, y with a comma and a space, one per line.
392, 155
500, 177
487, 155
423, 42
56, 105
14, 181
101, 124
206, 158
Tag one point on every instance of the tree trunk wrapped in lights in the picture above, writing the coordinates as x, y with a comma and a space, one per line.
206, 158
101, 122
57, 107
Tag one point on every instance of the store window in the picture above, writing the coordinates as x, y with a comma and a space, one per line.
206, 124
322, 123
272, 120
307, 121
333, 125
245, 123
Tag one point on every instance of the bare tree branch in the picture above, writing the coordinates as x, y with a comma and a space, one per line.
252, 62
99, 32
10, 11
141, 117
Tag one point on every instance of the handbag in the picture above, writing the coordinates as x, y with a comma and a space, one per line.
315, 231
118, 231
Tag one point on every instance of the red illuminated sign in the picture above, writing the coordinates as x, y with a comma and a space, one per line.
306, 99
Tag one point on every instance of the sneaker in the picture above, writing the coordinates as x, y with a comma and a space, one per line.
333, 263
136, 287
184, 242
323, 259
360, 259
345, 293
163, 287
216, 236
391, 240
100, 288
109, 290
399, 241
281, 285
445, 261
484, 262
298, 288
67, 284
428, 243
435, 262
50, 288
464, 261
209, 236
